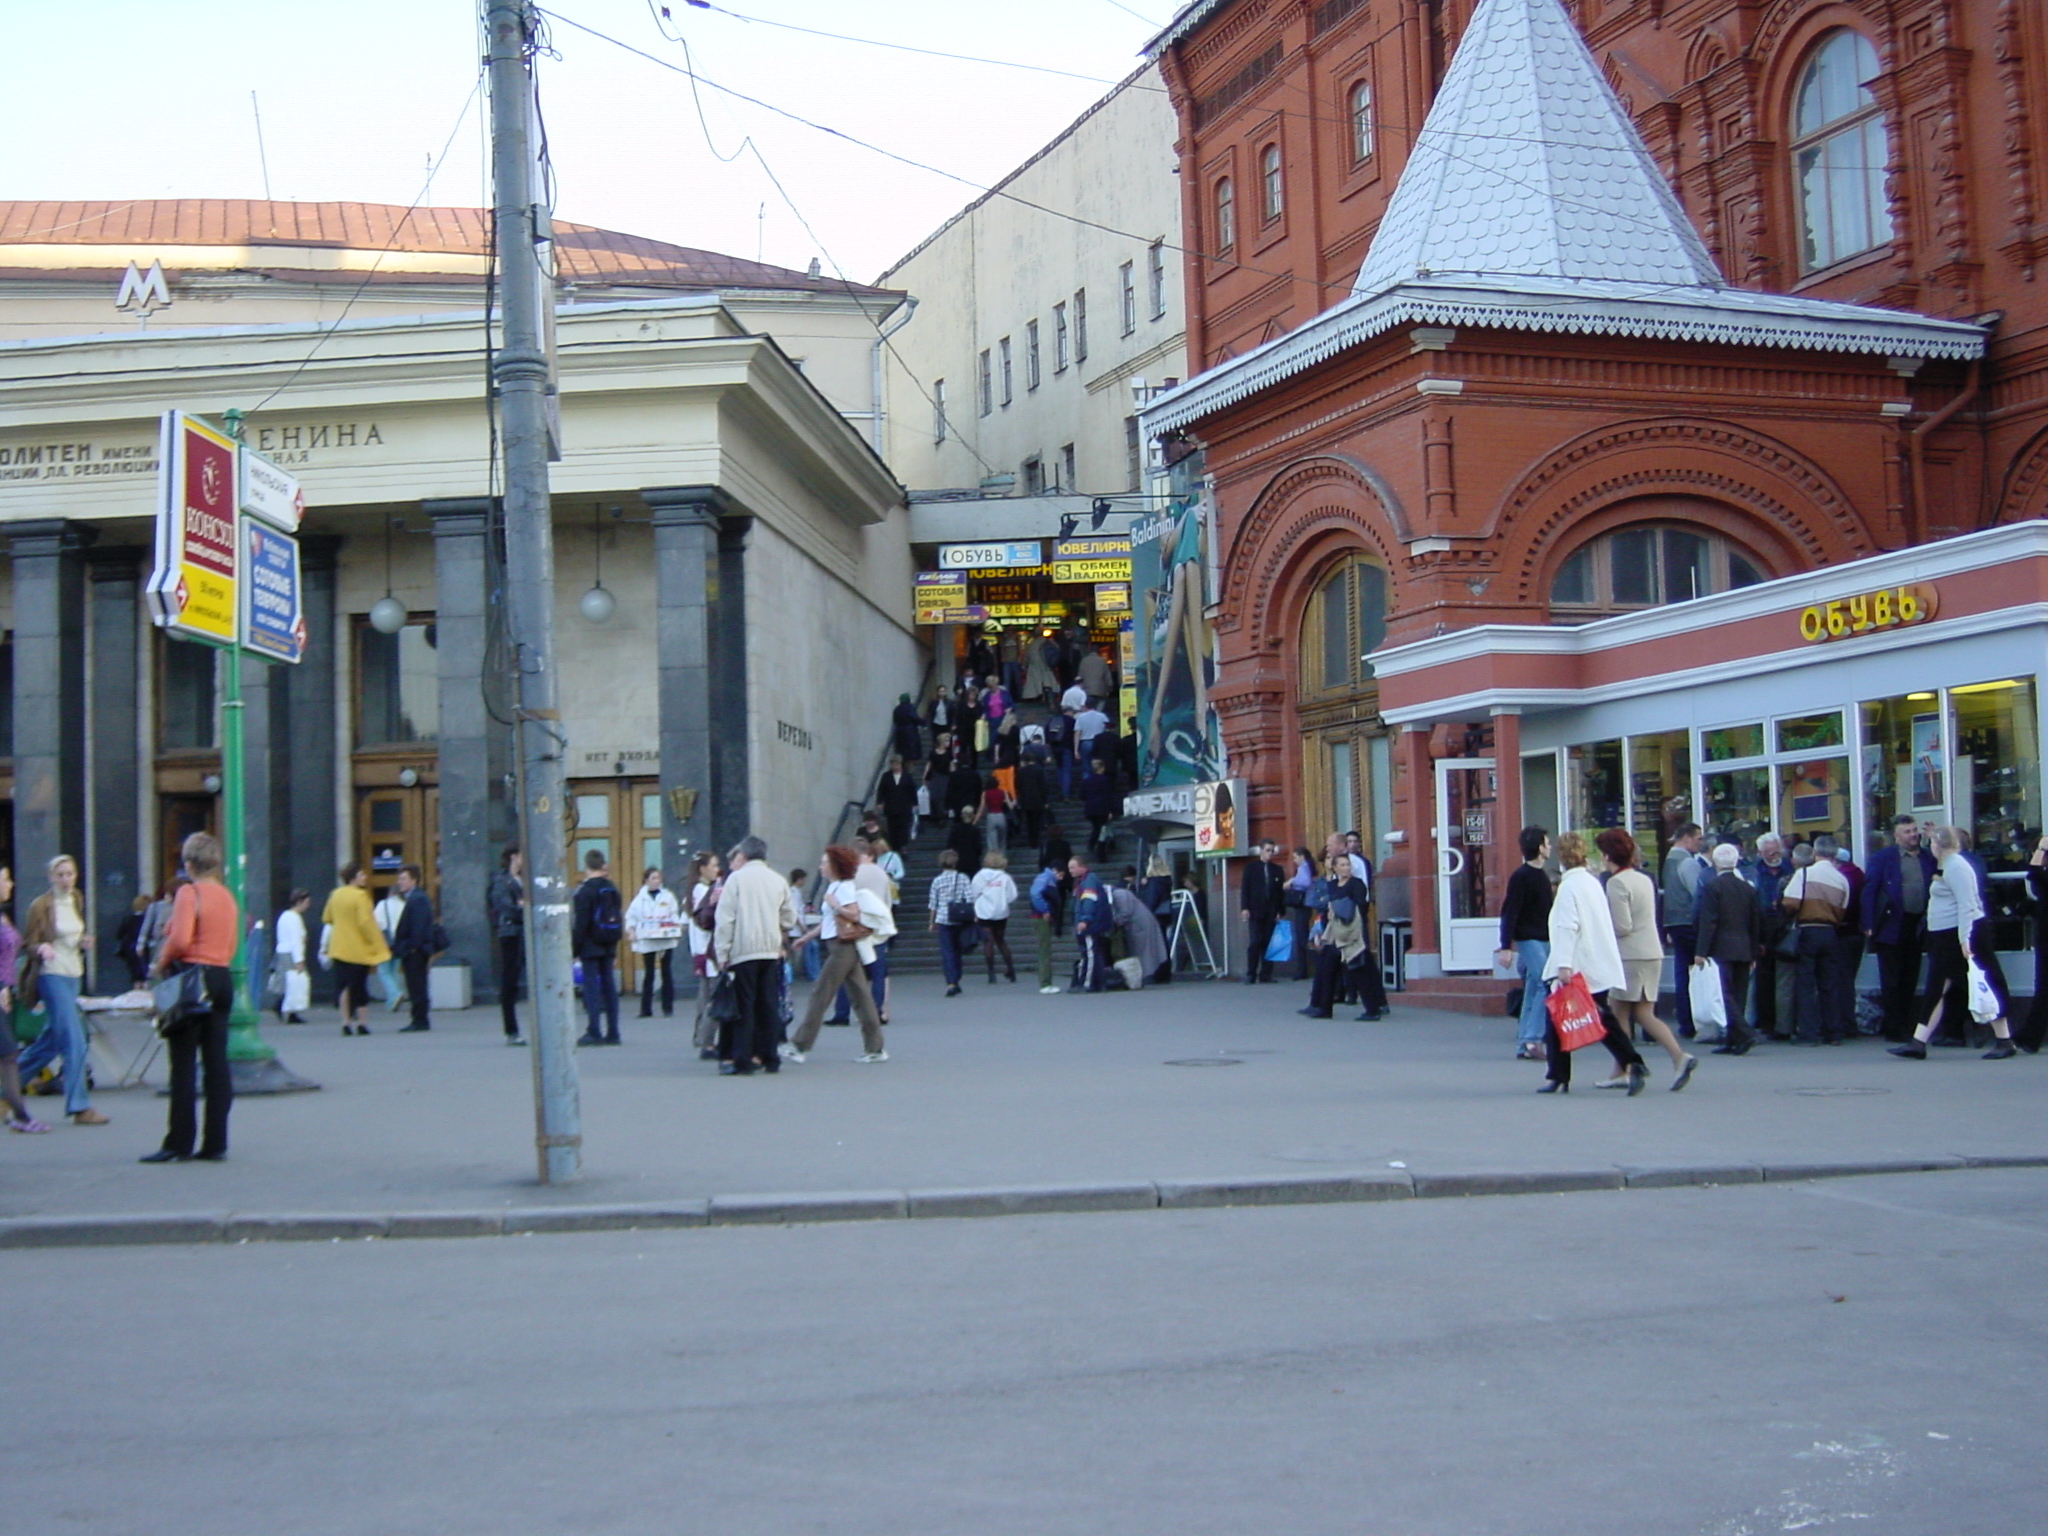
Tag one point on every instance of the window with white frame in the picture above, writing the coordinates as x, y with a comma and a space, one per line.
1271, 191
1155, 277
1003, 366
1069, 480
938, 410
1127, 297
988, 393
1060, 339
1030, 354
1080, 325
1839, 152
1225, 218
1360, 115
1645, 566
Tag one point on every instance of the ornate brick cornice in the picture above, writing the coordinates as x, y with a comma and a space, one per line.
2026, 486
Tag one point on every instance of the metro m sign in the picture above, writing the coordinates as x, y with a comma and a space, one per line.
194, 588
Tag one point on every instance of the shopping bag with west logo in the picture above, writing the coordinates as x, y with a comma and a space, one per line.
1573, 1012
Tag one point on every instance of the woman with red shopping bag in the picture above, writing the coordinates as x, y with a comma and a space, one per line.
1585, 960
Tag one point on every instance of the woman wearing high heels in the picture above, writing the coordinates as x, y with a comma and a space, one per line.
1958, 932
1633, 900
354, 943
1583, 943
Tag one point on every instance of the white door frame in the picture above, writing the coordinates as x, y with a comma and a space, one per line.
1465, 943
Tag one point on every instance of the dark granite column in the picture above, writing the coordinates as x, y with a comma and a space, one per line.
259, 796
732, 811
49, 698
309, 757
117, 756
462, 600
686, 556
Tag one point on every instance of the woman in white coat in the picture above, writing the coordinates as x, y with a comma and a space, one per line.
654, 922
1582, 943
294, 981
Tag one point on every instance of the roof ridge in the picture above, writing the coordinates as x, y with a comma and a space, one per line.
1564, 186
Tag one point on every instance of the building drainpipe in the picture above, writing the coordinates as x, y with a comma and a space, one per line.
1916, 441
898, 318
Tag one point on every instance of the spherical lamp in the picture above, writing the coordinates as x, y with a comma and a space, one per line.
598, 605
388, 615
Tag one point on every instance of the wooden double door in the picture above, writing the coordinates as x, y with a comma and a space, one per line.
621, 819
396, 827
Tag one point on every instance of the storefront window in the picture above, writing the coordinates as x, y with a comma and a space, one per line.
1659, 791
1813, 799
1997, 769
1732, 743
1738, 805
1598, 786
1903, 767
1810, 733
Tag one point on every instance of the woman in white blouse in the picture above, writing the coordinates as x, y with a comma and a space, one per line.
655, 925
1582, 943
1957, 937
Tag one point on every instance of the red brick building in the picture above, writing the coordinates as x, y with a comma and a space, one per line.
1535, 312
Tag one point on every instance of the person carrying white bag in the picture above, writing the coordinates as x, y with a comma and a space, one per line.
290, 978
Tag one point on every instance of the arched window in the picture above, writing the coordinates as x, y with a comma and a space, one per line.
1361, 121
1646, 566
1839, 153
1347, 755
1346, 619
1269, 181
1226, 215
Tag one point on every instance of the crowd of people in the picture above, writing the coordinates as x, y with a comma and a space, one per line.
1767, 947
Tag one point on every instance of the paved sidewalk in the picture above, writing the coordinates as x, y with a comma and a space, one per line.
1004, 1088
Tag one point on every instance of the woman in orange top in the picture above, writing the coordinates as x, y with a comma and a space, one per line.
205, 928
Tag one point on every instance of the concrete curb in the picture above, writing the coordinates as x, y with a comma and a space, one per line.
901, 1205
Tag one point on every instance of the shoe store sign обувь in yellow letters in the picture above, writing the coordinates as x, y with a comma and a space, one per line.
1868, 612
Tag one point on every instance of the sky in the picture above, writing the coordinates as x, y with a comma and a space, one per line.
131, 99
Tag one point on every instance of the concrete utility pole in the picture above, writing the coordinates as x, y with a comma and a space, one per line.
519, 375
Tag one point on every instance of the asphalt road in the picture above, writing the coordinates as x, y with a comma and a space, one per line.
1863, 1354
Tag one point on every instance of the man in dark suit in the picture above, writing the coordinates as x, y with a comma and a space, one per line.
412, 941
1261, 901
1728, 930
897, 796
1894, 918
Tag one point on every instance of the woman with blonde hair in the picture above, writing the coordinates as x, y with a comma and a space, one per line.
1957, 934
56, 941
1632, 899
1583, 944
354, 943
205, 928
994, 893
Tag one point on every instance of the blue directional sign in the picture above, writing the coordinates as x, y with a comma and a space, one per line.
274, 622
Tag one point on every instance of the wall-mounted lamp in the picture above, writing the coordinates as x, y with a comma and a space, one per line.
408, 777
211, 783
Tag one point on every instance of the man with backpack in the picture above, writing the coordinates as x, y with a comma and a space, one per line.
414, 943
597, 923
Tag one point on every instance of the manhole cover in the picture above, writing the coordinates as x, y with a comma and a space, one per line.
1832, 1093
1206, 1061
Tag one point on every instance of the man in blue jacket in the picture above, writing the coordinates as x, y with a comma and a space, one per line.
1894, 920
1092, 922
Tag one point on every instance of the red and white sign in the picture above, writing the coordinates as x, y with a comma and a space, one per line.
194, 589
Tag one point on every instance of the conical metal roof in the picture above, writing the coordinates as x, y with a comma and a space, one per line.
1527, 166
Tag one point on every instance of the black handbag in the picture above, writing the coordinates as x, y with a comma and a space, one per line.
179, 998
1787, 946
959, 914
724, 1006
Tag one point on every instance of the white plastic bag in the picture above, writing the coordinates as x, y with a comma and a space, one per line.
1709, 1007
1983, 1001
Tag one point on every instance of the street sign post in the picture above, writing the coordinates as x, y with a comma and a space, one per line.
233, 585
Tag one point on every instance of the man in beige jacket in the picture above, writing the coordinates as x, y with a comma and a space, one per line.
755, 912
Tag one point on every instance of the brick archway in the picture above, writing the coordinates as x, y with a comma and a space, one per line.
2025, 493
1773, 500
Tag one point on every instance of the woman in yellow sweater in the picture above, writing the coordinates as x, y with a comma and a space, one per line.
355, 944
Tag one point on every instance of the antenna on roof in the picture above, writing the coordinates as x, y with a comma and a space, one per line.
262, 159
760, 232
